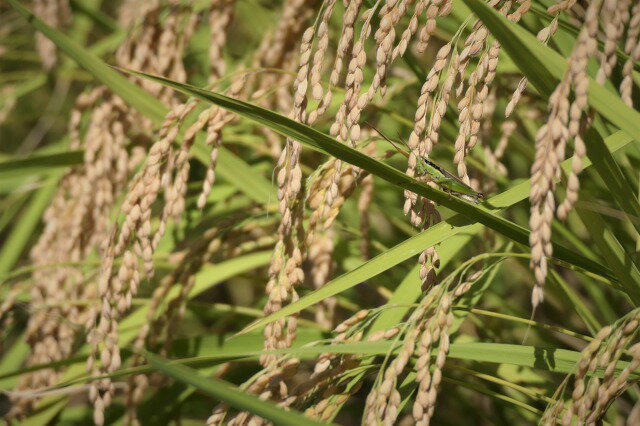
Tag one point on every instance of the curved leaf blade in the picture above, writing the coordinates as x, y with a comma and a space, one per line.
224, 391
328, 145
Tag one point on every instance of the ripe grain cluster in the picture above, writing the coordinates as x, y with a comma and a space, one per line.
321, 288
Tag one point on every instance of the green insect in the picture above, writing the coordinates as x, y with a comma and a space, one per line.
447, 181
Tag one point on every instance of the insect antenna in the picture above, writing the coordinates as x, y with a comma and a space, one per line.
400, 150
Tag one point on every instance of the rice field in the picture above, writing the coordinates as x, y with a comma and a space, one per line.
298, 212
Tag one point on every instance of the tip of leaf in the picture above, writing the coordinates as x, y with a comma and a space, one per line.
249, 328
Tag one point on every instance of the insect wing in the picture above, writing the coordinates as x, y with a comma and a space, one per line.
450, 176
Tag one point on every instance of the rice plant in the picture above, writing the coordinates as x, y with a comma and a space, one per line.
307, 212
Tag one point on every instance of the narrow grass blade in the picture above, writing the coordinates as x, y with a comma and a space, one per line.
144, 103
613, 252
412, 246
593, 325
233, 396
37, 164
544, 67
129, 326
408, 291
129, 92
541, 358
211, 350
24, 229
326, 144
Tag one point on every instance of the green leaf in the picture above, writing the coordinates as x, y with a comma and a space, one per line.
326, 144
39, 164
146, 104
12, 360
129, 326
409, 289
212, 349
129, 92
613, 252
412, 246
542, 358
233, 396
544, 67
17, 240
574, 300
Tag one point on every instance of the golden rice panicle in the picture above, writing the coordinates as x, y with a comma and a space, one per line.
419, 143
473, 45
384, 400
130, 10
389, 15
285, 270
587, 362
611, 386
615, 14
216, 119
220, 16
428, 327
55, 13
322, 40
344, 119
134, 242
279, 49
325, 409
561, 6
354, 319
350, 178
317, 192
480, 106
591, 395
494, 156
472, 105
631, 48
544, 35
89, 193
436, 333
270, 383
468, 112
345, 43
544, 171
290, 25
346, 127
422, 211
429, 261
328, 369
440, 106
585, 49
157, 47
411, 29
175, 186
319, 234
329, 365
564, 121
435, 8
